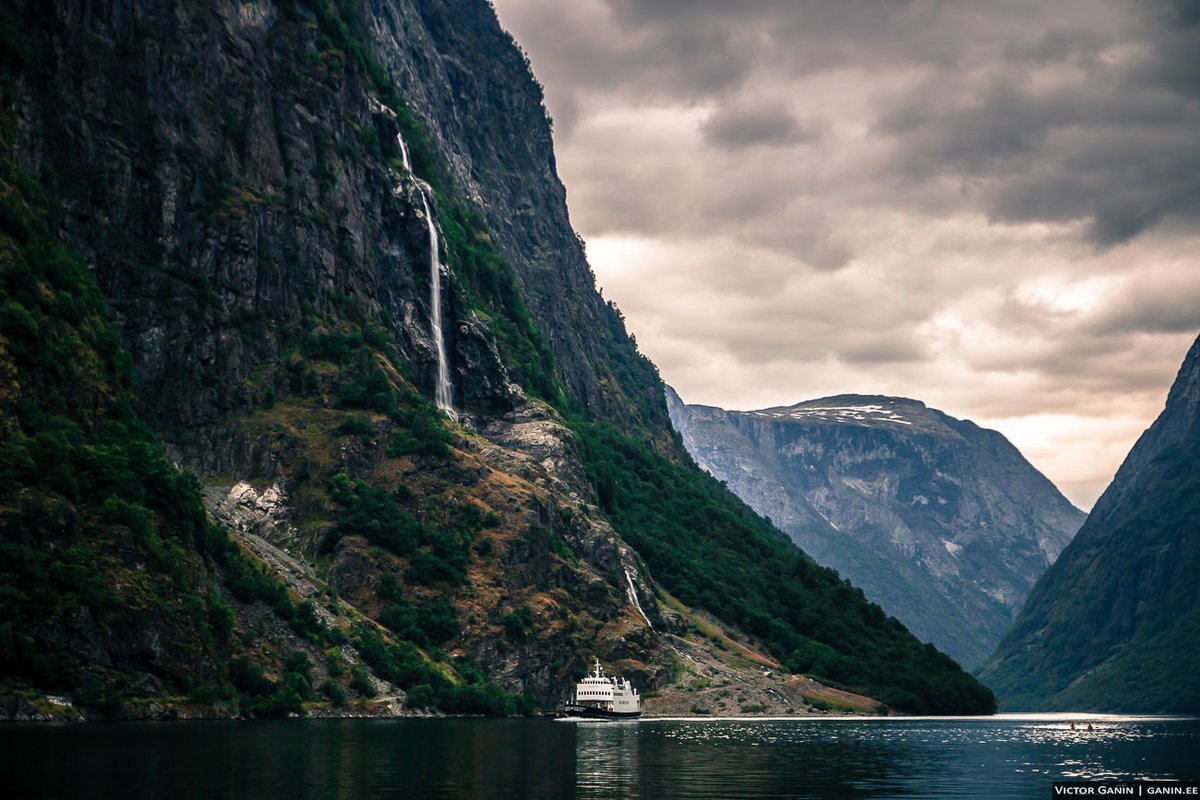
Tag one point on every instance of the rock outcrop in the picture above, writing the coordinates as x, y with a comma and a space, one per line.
941, 522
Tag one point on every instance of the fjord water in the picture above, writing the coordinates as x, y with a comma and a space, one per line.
1003, 756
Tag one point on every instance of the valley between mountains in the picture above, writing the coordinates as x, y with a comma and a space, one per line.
309, 405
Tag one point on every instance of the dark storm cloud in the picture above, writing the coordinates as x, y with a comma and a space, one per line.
1120, 182
1052, 130
1110, 141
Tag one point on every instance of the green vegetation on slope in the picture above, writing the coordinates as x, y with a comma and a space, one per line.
103, 543
96, 526
1114, 625
496, 295
711, 551
107, 558
429, 687
350, 370
698, 540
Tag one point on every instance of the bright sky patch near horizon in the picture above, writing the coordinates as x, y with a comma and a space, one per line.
992, 208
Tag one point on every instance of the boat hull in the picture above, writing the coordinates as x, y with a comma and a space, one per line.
587, 712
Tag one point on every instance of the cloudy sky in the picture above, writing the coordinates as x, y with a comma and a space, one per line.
992, 207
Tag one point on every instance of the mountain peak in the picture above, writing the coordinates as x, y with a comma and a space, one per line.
862, 409
941, 522
862, 400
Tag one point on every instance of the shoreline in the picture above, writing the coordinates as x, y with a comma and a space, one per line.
57, 710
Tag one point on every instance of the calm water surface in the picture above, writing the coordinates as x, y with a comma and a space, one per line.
1005, 756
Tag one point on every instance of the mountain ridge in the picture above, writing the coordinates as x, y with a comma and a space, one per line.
886, 491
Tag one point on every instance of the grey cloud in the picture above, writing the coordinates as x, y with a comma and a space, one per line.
982, 133
1069, 149
585, 47
662, 50
1114, 376
1033, 319
883, 348
1116, 221
1159, 309
810, 241
1075, 375
737, 128
1186, 13
1059, 45
814, 328
1121, 183
808, 37
745, 201
805, 331
1117, 150
567, 110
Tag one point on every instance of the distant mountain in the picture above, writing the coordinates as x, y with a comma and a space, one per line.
1114, 625
941, 522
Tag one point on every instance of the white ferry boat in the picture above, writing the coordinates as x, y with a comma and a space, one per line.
600, 697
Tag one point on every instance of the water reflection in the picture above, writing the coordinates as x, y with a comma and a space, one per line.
809, 758
746, 758
871, 758
607, 756
290, 758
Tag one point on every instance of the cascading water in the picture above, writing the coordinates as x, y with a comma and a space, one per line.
632, 592
442, 395
404, 154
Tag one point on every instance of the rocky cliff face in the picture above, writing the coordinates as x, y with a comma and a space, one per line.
1114, 625
941, 522
232, 175
471, 84
222, 167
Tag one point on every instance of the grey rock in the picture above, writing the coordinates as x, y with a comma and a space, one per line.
941, 522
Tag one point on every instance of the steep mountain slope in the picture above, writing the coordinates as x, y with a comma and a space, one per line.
118, 592
1114, 625
262, 256
262, 191
941, 522
85, 495
472, 88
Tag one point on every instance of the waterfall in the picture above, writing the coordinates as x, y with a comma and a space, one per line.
441, 394
442, 391
404, 154
632, 592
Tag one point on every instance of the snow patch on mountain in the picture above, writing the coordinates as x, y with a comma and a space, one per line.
867, 413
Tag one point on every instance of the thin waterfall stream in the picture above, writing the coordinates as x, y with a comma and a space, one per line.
632, 592
443, 394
